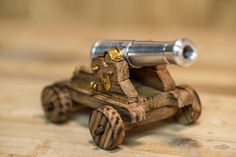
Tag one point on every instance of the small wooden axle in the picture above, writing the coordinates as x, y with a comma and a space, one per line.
123, 97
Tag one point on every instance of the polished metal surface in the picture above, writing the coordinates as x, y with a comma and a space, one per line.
181, 52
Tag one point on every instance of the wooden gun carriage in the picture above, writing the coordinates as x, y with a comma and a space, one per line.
127, 85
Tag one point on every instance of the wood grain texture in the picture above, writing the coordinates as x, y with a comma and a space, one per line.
109, 72
57, 103
24, 130
156, 76
106, 127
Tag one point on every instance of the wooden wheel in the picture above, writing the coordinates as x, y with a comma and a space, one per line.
106, 127
56, 103
189, 114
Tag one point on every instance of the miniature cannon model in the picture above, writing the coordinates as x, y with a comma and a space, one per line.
127, 85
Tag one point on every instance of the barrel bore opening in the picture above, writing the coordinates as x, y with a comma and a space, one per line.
187, 52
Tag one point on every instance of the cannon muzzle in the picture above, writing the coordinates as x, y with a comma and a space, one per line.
181, 52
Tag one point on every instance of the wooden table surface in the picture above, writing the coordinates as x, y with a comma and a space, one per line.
33, 56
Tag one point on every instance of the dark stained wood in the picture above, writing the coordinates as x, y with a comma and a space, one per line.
57, 103
147, 95
190, 113
106, 127
157, 77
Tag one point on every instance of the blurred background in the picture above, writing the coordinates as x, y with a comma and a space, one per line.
57, 34
155, 13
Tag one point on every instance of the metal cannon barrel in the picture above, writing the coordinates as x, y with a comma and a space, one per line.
181, 52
